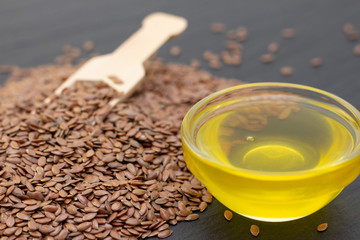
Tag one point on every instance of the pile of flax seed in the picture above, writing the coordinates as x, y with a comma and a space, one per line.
67, 171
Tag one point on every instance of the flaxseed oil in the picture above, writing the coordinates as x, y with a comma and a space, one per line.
275, 141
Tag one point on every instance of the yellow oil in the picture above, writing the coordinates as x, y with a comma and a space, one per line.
306, 139
272, 151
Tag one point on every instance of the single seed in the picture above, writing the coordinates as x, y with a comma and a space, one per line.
286, 71
116, 206
192, 217
89, 216
14, 145
33, 225
288, 33
164, 214
322, 227
71, 209
202, 206
357, 49
10, 231
63, 234
83, 226
91, 209
348, 27
316, 62
132, 221
217, 27
254, 230
22, 216
175, 51
241, 34
77, 168
352, 35
90, 153
267, 58
273, 47
46, 229
10, 221
214, 64
228, 215
88, 46
115, 234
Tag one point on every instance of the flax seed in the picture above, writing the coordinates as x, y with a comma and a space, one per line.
228, 215
322, 227
83, 226
357, 49
288, 33
286, 71
273, 47
254, 230
79, 175
165, 233
192, 217
217, 27
316, 62
175, 51
267, 58
88, 46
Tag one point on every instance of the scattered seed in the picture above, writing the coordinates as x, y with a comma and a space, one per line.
273, 47
228, 215
267, 58
202, 206
254, 230
88, 46
241, 34
286, 71
348, 27
192, 217
215, 64
357, 49
217, 27
288, 33
175, 51
322, 227
316, 62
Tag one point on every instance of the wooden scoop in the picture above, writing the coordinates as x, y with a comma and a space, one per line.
126, 62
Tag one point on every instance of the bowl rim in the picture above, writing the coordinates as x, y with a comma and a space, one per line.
185, 134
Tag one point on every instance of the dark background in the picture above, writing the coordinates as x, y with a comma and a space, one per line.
32, 32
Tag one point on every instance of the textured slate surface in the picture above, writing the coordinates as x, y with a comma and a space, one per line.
32, 32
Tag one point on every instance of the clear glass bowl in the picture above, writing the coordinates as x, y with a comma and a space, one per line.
274, 192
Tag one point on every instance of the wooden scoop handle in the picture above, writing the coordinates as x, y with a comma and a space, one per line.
156, 29
126, 62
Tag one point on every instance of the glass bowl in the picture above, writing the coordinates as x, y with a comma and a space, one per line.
272, 151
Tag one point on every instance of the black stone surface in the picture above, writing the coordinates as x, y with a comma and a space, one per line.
32, 32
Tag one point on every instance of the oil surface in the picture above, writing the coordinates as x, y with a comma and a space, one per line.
293, 138
277, 160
